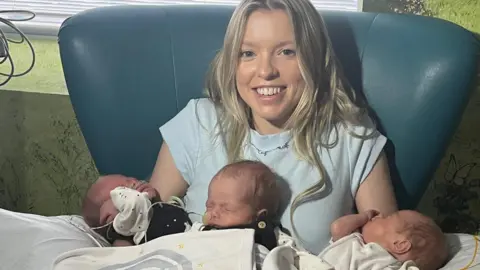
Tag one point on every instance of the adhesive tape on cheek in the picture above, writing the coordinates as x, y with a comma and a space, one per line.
205, 218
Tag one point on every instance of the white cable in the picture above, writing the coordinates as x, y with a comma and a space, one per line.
4, 42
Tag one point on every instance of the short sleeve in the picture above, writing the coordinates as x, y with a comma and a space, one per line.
181, 134
365, 144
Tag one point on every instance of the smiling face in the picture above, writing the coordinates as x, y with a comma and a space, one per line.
268, 77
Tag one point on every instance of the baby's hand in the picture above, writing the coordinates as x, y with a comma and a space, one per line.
146, 187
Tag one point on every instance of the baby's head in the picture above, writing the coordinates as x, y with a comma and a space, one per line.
99, 193
409, 235
239, 193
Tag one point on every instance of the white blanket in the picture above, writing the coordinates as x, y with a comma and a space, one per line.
289, 258
220, 249
34, 242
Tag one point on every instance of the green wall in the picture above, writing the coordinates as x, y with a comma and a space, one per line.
45, 166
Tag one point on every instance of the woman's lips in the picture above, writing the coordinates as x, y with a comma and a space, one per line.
269, 95
269, 91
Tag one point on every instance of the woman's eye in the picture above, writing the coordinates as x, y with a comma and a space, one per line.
247, 54
288, 52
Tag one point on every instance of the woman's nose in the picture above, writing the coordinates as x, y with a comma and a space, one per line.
266, 69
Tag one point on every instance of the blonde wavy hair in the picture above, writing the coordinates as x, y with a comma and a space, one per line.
327, 99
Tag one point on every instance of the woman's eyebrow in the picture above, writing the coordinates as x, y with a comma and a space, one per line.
279, 44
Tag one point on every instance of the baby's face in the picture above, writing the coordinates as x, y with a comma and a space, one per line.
229, 203
99, 195
381, 229
109, 183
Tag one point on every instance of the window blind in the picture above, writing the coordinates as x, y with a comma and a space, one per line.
51, 13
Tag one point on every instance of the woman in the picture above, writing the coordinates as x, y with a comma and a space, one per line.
276, 94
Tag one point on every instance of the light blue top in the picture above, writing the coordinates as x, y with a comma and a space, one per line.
198, 156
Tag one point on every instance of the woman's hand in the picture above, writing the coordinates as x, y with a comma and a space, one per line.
166, 178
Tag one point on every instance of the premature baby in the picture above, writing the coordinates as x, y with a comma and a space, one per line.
403, 240
241, 195
122, 209
244, 195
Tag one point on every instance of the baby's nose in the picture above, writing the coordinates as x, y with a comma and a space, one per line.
211, 216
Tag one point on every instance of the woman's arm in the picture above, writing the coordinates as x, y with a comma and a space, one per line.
166, 178
376, 191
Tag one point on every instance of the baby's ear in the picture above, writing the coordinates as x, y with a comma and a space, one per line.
262, 213
401, 246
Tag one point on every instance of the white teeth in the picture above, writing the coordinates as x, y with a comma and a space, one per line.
269, 91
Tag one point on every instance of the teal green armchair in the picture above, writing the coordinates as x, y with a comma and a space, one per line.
129, 69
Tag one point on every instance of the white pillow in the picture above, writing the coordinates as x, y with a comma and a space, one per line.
462, 251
